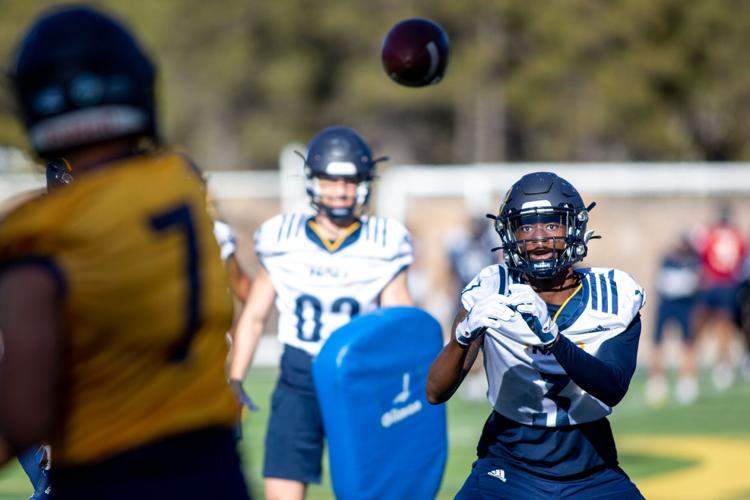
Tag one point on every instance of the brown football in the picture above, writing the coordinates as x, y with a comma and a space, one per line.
415, 52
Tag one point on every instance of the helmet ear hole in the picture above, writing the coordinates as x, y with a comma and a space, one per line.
363, 193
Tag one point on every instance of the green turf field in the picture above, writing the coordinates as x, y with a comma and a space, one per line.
700, 451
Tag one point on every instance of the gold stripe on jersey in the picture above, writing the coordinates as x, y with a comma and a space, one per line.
146, 304
332, 245
557, 314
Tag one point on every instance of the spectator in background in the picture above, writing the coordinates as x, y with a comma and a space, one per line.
677, 285
743, 314
722, 249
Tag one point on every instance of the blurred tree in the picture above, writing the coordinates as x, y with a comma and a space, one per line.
579, 80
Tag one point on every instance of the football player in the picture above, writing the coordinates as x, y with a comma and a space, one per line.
239, 281
113, 298
676, 286
559, 346
35, 463
322, 270
239, 284
722, 248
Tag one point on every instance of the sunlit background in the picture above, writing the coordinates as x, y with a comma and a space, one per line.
644, 105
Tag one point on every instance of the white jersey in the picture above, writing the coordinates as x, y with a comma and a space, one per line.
225, 238
530, 387
319, 290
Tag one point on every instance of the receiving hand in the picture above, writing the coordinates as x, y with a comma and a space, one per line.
488, 312
534, 312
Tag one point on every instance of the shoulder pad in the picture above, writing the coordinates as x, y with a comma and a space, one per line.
274, 232
491, 279
622, 293
388, 234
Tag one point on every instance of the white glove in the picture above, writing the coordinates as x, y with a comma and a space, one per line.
534, 312
488, 312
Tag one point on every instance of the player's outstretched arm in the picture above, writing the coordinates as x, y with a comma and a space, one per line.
607, 375
250, 325
396, 293
29, 371
451, 366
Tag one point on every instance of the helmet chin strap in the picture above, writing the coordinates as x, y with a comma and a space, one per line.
338, 214
545, 269
554, 273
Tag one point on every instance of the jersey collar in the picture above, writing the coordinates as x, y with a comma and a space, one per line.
573, 307
570, 310
349, 236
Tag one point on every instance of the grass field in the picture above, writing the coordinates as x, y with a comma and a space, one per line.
701, 451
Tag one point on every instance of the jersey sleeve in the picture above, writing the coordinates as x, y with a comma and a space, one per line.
491, 279
631, 297
27, 234
607, 375
401, 246
267, 238
225, 238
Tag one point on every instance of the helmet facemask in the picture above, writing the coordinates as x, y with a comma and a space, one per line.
362, 195
339, 153
568, 248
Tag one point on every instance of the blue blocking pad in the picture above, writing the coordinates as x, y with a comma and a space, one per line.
385, 441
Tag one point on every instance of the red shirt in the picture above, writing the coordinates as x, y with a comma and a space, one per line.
722, 250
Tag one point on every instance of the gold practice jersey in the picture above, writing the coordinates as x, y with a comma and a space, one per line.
145, 304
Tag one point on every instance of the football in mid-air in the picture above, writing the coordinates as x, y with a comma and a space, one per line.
415, 52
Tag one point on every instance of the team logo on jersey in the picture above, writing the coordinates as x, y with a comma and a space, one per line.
538, 351
498, 474
399, 413
327, 271
599, 328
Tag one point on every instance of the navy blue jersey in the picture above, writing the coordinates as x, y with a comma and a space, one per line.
678, 276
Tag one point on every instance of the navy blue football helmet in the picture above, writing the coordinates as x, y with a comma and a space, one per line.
339, 152
81, 78
543, 197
